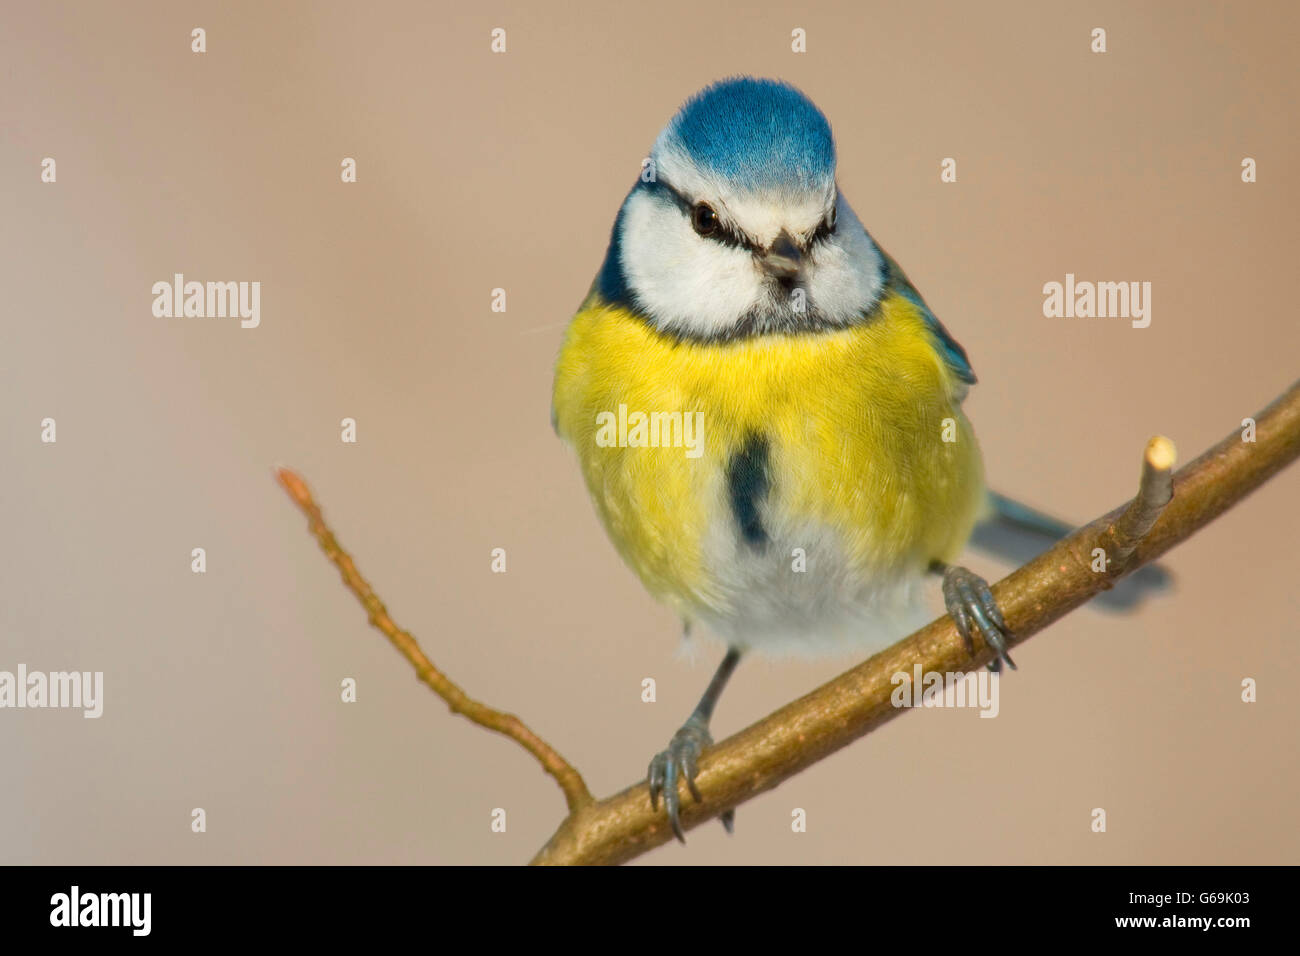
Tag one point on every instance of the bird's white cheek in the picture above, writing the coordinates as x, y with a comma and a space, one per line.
847, 279
680, 279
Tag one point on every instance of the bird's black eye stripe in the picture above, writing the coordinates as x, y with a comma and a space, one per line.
729, 237
724, 233
825, 229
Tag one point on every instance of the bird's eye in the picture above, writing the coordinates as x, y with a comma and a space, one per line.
703, 219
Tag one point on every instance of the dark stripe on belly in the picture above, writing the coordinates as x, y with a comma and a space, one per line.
747, 487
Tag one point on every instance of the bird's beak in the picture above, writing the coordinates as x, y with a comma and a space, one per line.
783, 259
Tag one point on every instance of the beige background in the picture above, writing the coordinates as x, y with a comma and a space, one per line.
478, 171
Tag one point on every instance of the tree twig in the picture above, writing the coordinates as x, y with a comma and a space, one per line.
772, 750
1155, 490
575, 790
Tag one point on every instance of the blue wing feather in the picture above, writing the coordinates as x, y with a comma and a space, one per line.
953, 354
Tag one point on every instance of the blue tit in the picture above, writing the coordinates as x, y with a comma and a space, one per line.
767, 415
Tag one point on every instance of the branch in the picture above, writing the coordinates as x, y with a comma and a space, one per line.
798, 735
575, 790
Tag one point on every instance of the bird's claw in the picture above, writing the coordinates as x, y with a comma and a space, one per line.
970, 602
681, 758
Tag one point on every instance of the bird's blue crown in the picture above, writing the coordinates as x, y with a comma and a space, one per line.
755, 133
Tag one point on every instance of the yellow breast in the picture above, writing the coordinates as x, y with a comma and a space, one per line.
866, 449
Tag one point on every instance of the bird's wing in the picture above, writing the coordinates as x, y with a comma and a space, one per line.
954, 355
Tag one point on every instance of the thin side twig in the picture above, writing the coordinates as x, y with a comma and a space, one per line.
1155, 491
576, 794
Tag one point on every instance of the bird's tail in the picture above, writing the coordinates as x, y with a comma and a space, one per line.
1017, 533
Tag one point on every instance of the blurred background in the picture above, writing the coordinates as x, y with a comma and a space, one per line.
479, 171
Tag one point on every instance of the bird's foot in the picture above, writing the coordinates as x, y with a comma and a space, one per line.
970, 602
680, 759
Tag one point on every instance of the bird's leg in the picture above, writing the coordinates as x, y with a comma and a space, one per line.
970, 601
685, 748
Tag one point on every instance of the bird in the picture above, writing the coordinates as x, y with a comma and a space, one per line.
767, 415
